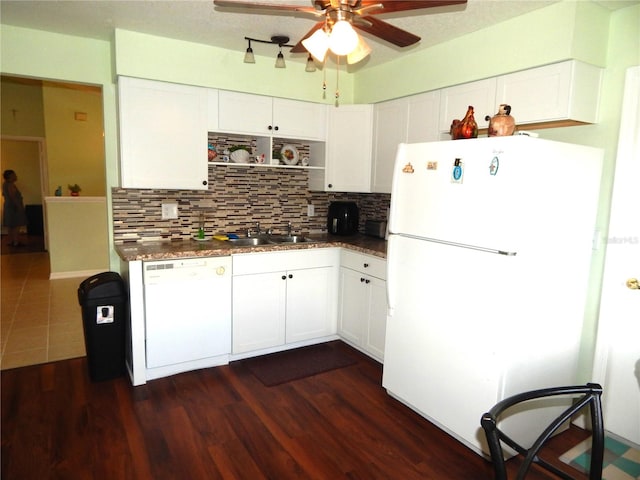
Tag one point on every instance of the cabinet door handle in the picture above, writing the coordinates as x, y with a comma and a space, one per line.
204, 182
330, 185
361, 279
366, 265
276, 128
269, 127
284, 277
367, 281
290, 275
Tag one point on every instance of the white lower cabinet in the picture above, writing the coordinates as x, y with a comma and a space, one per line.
362, 316
282, 298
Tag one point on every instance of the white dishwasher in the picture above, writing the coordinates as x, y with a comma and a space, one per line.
187, 309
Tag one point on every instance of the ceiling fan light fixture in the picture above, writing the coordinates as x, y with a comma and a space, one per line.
361, 51
343, 39
317, 44
311, 66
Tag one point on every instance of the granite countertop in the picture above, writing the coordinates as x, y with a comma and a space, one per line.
213, 248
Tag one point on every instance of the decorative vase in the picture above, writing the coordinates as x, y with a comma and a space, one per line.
465, 128
502, 124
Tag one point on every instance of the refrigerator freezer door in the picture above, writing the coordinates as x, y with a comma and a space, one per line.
469, 203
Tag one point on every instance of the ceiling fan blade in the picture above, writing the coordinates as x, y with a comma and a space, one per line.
299, 48
387, 32
391, 6
265, 6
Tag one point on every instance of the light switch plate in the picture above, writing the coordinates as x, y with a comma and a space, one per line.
311, 211
169, 211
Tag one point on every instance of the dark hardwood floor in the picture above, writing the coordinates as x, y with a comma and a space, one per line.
222, 423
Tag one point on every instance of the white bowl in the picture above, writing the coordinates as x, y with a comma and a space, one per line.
240, 156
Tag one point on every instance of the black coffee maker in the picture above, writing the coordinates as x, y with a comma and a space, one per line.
343, 218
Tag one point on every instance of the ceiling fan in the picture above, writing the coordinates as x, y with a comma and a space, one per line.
335, 31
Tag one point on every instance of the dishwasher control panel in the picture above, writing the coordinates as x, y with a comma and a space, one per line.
186, 268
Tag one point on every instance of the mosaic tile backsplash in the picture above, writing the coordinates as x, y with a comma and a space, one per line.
238, 196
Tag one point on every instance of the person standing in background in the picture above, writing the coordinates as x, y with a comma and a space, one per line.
13, 216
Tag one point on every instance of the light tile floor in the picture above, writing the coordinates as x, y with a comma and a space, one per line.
40, 319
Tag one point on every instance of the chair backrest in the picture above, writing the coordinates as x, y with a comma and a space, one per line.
588, 395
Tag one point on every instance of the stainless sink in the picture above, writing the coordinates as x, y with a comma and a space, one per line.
249, 242
290, 239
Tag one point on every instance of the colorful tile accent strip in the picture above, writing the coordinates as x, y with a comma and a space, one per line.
621, 461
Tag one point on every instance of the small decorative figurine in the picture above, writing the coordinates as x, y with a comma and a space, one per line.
502, 124
465, 128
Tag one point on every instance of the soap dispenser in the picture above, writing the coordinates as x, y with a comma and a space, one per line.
201, 226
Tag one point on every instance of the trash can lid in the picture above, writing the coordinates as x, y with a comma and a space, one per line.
105, 284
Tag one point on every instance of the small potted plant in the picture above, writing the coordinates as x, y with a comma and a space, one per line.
74, 189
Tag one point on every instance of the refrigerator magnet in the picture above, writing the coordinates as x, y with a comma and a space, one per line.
494, 165
408, 168
457, 172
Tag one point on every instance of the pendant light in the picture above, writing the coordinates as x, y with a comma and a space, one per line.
280, 60
311, 65
248, 56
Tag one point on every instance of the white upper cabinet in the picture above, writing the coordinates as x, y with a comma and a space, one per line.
454, 102
423, 111
212, 110
349, 143
163, 135
266, 116
561, 91
303, 120
410, 119
389, 129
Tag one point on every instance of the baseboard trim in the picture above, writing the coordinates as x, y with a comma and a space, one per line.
74, 274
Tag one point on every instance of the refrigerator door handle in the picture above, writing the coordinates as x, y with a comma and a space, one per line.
508, 253
391, 277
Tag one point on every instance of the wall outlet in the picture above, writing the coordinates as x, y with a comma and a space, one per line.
169, 211
311, 210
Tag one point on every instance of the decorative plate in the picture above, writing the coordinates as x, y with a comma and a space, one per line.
289, 155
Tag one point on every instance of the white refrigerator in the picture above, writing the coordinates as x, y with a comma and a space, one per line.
489, 254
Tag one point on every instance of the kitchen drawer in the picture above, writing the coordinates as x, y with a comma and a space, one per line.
370, 265
250, 263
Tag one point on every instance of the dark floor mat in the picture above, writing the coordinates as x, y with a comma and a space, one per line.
282, 367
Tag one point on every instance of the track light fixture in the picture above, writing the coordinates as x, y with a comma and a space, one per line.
279, 40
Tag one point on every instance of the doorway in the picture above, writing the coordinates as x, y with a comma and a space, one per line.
27, 157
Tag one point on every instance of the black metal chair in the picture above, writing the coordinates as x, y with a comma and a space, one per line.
588, 395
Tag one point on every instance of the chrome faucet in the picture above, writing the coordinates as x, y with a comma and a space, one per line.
258, 231
288, 229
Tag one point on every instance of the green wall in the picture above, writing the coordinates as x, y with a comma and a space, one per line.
544, 36
147, 56
75, 148
22, 109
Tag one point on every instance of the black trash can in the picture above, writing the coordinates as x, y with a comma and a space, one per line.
103, 299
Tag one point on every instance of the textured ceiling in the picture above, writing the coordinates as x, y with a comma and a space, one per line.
201, 22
